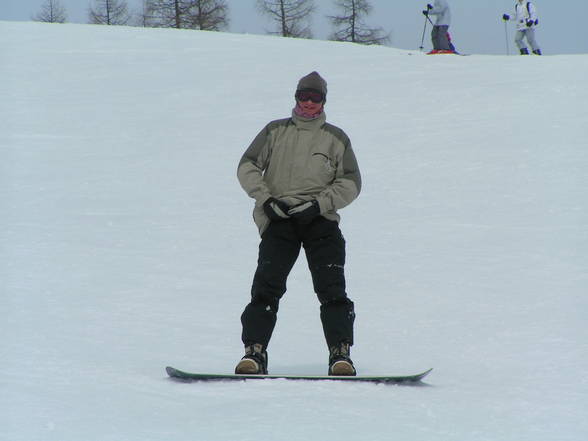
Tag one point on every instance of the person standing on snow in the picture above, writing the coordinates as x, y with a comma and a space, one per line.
526, 21
300, 171
441, 9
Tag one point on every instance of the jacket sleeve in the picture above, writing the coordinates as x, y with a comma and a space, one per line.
346, 185
251, 167
532, 12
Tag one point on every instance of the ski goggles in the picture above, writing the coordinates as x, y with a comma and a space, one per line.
305, 95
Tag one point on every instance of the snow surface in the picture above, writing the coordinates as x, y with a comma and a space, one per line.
127, 243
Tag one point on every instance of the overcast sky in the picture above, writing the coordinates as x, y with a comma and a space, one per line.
477, 24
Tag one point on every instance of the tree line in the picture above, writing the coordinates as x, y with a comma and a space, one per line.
290, 18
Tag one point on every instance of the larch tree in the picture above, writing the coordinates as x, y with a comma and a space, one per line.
350, 26
206, 15
51, 12
292, 17
109, 12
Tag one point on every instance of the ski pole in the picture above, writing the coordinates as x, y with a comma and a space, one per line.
506, 36
424, 29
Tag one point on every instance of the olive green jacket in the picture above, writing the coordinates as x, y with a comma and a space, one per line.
297, 160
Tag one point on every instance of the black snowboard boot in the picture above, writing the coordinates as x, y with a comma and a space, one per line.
537, 52
339, 361
254, 362
525, 51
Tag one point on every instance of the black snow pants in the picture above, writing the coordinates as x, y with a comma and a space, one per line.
439, 38
325, 253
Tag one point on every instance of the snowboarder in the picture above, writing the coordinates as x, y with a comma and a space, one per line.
300, 171
526, 22
441, 9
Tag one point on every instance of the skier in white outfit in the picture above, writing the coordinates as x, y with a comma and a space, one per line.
526, 21
440, 9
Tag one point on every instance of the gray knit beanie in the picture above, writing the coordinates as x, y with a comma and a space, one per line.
313, 81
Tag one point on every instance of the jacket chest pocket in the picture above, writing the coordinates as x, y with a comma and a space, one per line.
322, 166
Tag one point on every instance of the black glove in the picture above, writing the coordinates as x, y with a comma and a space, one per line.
426, 13
275, 209
506, 17
429, 6
305, 212
529, 23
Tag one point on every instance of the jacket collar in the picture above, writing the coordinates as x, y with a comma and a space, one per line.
309, 123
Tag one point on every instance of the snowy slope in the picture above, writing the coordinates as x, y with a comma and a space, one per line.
127, 244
